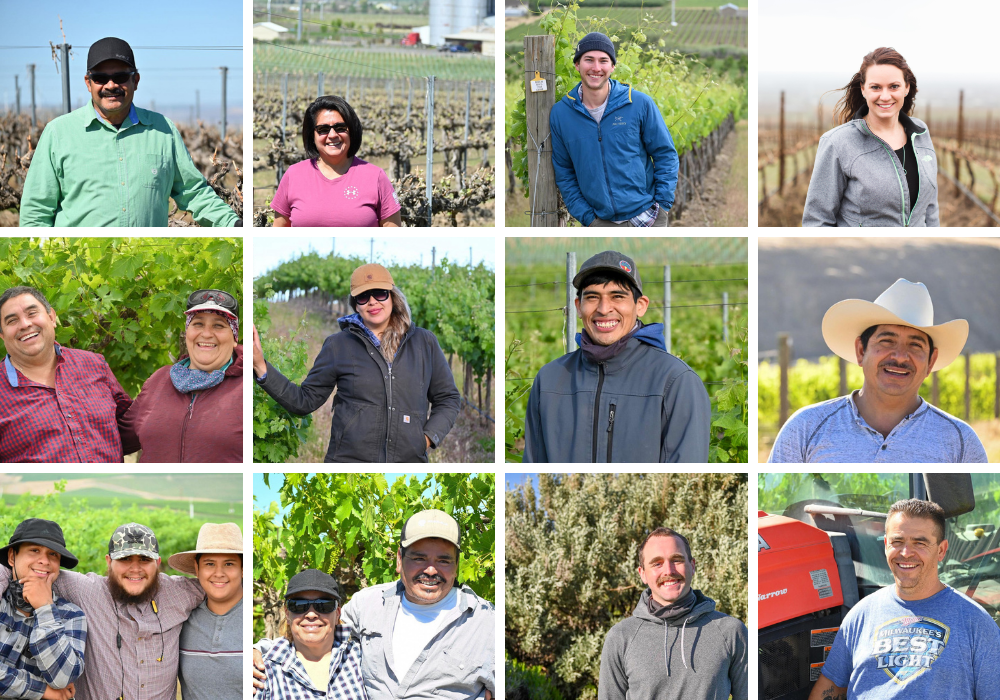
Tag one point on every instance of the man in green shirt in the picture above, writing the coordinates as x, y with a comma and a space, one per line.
112, 164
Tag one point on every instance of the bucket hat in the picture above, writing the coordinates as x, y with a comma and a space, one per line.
44, 532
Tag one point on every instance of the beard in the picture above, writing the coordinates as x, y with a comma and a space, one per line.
124, 598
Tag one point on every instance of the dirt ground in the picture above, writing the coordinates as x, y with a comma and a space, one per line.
470, 439
955, 209
723, 201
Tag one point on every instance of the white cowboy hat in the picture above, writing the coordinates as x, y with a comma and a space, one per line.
224, 538
903, 304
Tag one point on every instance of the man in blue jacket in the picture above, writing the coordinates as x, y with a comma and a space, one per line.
614, 160
621, 397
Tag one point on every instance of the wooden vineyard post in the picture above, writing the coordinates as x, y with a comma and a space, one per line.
781, 147
570, 298
961, 105
935, 390
540, 59
784, 357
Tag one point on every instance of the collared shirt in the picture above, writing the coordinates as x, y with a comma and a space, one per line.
133, 116
834, 431
77, 420
457, 663
86, 172
211, 664
287, 678
147, 665
45, 649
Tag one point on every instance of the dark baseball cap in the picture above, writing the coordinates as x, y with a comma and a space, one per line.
44, 532
313, 580
131, 539
110, 49
610, 261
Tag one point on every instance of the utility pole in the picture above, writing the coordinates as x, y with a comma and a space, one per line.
197, 105
268, 10
298, 32
17, 98
65, 76
673, 11
225, 70
31, 75
371, 250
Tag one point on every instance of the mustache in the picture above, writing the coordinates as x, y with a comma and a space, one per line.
664, 579
116, 92
897, 365
428, 579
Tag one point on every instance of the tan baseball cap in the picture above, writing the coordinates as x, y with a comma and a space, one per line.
370, 276
431, 523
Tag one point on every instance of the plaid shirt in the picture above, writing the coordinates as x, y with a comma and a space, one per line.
45, 649
144, 676
77, 420
287, 678
645, 219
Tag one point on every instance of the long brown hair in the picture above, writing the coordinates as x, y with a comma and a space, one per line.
399, 323
853, 100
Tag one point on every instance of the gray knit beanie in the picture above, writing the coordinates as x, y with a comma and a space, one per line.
595, 41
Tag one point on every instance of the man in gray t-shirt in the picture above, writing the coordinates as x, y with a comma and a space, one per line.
917, 639
896, 343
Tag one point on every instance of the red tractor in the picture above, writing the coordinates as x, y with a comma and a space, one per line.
818, 559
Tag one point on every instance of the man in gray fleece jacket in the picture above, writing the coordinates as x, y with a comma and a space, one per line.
676, 645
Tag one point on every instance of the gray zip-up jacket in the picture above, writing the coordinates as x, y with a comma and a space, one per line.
379, 412
857, 179
700, 656
643, 405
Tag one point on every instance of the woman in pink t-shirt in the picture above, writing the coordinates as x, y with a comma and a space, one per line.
334, 187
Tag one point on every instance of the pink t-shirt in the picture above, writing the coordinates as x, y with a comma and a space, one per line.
362, 197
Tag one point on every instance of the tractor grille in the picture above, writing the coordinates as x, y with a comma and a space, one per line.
782, 663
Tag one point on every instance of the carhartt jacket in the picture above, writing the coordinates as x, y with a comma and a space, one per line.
643, 405
700, 655
87, 173
379, 412
857, 179
616, 169
204, 426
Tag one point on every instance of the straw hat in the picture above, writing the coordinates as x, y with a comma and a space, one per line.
224, 538
903, 304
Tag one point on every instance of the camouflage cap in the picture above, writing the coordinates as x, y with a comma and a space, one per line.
131, 539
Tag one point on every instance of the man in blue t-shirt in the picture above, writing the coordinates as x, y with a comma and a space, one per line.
917, 639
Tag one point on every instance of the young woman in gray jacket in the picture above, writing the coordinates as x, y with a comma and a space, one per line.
878, 168
387, 373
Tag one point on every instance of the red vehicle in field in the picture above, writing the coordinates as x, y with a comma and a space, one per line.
411, 39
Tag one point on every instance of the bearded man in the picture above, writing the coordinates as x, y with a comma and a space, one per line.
134, 614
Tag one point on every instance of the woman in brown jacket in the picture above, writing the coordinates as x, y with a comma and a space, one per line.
192, 411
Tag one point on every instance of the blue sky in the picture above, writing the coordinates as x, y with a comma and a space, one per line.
263, 495
169, 78
269, 252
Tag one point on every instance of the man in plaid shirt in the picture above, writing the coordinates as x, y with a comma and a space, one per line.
41, 651
56, 404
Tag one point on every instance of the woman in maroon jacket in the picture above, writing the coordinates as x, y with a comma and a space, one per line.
192, 411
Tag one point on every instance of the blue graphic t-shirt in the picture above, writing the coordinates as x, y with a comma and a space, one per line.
945, 646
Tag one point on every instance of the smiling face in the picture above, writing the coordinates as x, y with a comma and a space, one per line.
428, 569
609, 311
221, 575
34, 560
311, 630
913, 551
595, 69
112, 99
884, 90
332, 147
895, 362
134, 576
375, 314
210, 341
666, 569
28, 330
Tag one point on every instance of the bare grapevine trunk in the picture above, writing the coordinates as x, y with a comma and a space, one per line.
274, 611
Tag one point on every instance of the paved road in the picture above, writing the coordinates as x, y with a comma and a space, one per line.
799, 279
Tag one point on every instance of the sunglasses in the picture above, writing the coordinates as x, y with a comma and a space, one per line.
324, 129
300, 607
379, 294
118, 78
223, 299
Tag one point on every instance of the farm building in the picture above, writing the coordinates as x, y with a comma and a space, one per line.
268, 31
479, 39
731, 10
454, 16
515, 8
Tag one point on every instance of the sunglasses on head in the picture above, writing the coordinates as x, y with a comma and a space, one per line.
119, 78
301, 606
324, 129
223, 299
379, 294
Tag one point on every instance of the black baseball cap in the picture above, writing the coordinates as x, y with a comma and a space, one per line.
610, 261
43, 532
110, 49
313, 580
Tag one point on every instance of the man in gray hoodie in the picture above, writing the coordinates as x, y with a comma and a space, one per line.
675, 645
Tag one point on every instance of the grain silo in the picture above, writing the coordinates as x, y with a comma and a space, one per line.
452, 16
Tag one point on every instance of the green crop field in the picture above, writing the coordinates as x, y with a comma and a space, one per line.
385, 63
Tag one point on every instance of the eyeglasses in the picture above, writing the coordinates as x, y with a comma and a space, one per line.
379, 294
300, 606
324, 129
118, 78
223, 299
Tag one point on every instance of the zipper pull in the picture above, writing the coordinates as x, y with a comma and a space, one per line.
611, 419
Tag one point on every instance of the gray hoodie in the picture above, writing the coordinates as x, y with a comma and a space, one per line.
857, 180
700, 655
